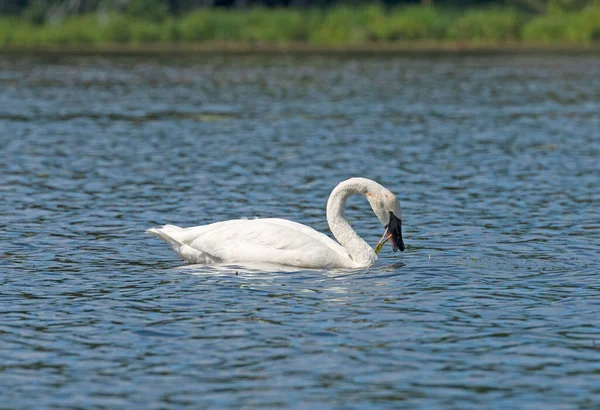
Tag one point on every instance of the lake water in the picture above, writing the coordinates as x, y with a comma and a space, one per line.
494, 304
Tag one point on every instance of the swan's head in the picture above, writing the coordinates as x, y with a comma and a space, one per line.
387, 208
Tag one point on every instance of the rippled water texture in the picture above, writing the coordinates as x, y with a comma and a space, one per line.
494, 304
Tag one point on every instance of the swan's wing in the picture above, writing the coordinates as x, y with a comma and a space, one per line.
307, 230
265, 240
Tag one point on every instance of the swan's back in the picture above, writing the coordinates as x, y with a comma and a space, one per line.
269, 240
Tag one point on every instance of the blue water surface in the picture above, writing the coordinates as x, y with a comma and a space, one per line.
494, 304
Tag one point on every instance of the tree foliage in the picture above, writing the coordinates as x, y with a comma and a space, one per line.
39, 11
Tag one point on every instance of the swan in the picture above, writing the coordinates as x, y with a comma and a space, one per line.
283, 242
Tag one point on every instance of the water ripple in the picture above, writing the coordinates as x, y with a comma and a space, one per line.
494, 302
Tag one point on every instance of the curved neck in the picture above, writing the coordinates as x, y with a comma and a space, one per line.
360, 251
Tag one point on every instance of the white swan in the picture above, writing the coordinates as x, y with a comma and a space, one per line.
284, 242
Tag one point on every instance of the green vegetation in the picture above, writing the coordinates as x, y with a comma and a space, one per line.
337, 26
565, 26
496, 25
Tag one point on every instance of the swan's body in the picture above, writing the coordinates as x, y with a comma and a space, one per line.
256, 240
285, 242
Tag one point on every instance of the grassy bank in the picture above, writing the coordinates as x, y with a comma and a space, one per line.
336, 27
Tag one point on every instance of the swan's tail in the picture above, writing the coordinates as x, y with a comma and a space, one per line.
168, 233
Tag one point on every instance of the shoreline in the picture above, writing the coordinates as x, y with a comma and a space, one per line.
419, 47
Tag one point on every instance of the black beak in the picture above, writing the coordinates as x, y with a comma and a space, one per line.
395, 228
